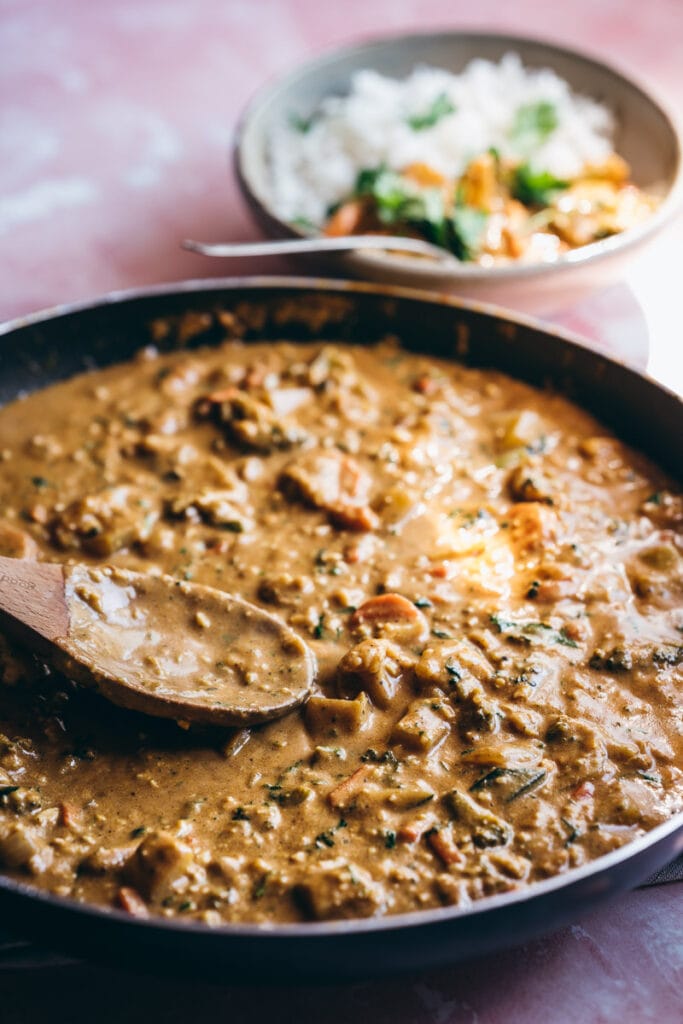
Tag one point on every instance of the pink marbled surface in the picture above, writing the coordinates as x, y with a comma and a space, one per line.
115, 123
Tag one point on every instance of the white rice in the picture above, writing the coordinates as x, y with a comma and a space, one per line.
310, 171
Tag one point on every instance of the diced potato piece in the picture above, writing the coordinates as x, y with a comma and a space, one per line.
484, 827
373, 666
522, 429
333, 482
459, 536
446, 663
284, 401
160, 866
410, 795
506, 755
25, 846
527, 483
248, 421
337, 889
329, 716
16, 543
107, 521
532, 526
509, 863
423, 727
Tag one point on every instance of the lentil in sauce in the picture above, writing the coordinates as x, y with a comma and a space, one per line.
490, 583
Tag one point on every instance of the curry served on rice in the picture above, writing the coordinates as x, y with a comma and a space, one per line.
489, 582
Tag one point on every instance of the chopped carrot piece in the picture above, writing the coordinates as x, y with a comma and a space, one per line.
425, 385
410, 833
346, 792
68, 815
131, 901
347, 219
424, 175
385, 608
443, 846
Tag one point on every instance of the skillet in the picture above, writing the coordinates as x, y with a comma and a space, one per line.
41, 349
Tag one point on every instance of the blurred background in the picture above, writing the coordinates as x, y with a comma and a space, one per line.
117, 121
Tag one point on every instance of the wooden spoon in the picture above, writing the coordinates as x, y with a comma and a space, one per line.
156, 644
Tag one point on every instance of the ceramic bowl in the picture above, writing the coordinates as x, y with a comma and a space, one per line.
646, 136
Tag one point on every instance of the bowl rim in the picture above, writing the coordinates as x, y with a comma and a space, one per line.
624, 241
415, 919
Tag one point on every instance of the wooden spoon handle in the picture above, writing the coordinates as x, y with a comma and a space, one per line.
32, 596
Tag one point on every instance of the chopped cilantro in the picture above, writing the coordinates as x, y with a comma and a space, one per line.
535, 188
530, 784
301, 124
573, 833
468, 226
319, 630
372, 757
260, 888
534, 123
532, 632
389, 839
454, 671
440, 107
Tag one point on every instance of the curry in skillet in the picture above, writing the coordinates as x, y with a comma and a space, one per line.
491, 586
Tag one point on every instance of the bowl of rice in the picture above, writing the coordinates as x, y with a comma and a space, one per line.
539, 169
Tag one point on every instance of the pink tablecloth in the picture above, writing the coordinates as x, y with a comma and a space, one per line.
115, 124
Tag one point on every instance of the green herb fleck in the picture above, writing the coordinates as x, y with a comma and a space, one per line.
535, 188
440, 107
533, 123
389, 839
454, 671
239, 814
234, 526
319, 630
468, 226
260, 888
442, 634
40, 482
532, 632
326, 838
487, 779
301, 124
531, 784
573, 833
372, 757
423, 602
137, 832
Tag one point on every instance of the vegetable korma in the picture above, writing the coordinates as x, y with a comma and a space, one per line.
490, 583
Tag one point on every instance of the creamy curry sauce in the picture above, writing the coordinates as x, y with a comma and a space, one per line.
491, 586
